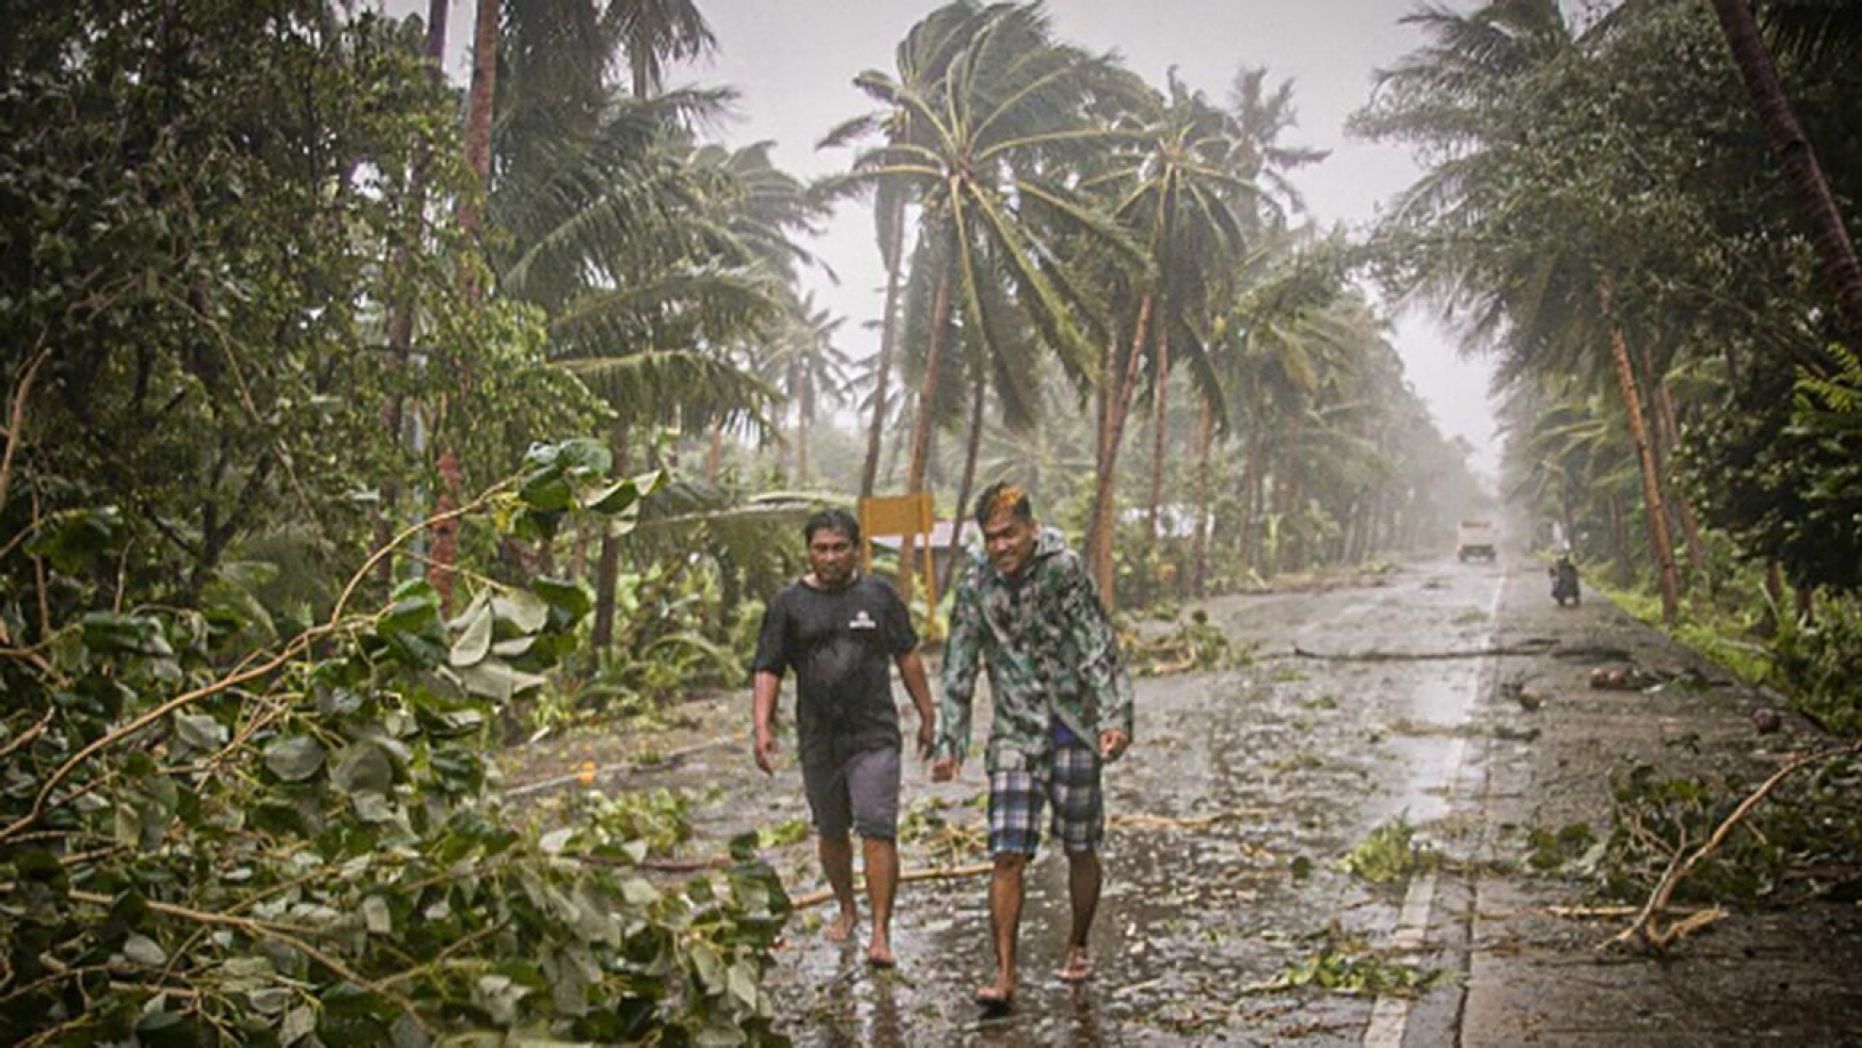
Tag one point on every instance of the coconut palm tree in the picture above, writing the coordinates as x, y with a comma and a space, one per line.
1498, 229
1801, 169
1179, 192
1010, 108
921, 60
652, 32
802, 363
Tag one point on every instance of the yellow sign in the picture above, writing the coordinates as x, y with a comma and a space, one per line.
908, 517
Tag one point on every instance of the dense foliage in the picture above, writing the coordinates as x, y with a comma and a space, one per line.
314, 841
205, 213
1603, 213
265, 325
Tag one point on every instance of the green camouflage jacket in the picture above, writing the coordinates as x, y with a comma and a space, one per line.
1051, 653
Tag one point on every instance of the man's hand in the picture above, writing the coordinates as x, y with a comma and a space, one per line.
765, 752
927, 737
944, 769
1112, 742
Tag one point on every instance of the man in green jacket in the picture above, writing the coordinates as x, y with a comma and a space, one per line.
1063, 707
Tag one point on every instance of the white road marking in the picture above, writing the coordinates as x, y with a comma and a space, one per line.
1390, 1015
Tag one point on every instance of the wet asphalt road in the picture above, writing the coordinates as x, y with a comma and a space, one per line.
1271, 773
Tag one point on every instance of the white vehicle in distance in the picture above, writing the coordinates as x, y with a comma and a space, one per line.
1476, 538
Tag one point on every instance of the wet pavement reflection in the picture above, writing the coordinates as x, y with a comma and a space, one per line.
1230, 816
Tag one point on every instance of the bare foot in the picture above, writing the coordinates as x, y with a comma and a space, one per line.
840, 929
998, 997
1078, 967
879, 955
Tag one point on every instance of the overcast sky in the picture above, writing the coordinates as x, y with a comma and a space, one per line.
793, 63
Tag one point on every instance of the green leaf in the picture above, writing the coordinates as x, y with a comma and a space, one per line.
498, 996
272, 1000
511, 649
363, 767
742, 980
522, 609
638, 892
584, 456
495, 679
569, 599
376, 916
708, 966
200, 731
474, 641
295, 758
71, 539
415, 605
547, 492
298, 1024
106, 631
143, 950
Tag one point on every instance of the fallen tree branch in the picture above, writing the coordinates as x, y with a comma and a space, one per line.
590, 776
246, 670
1538, 648
287, 934
936, 873
1646, 934
1584, 913
16, 413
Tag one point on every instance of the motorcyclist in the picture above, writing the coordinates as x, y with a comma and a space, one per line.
1564, 576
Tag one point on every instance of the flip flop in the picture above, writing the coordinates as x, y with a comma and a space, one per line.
993, 1004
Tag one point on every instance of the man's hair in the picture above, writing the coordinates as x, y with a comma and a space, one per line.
832, 520
1003, 498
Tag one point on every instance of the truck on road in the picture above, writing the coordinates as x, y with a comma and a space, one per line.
1476, 538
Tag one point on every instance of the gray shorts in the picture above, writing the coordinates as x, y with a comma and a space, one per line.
861, 792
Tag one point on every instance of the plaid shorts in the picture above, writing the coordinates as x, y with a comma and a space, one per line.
1069, 782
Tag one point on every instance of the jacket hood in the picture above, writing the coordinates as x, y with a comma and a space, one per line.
1047, 542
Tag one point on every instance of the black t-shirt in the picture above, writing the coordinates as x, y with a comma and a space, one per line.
840, 644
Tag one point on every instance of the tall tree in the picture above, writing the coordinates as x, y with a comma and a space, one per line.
1011, 103
921, 60
1183, 194
1510, 239
653, 32
1835, 251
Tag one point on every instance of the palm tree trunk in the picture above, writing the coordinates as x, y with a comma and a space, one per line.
1802, 171
888, 336
921, 431
444, 550
1774, 608
401, 317
1352, 541
1671, 436
804, 411
1619, 545
1289, 556
479, 101
1660, 543
1250, 492
1205, 444
608, 563
714, 455
1105, 484
971, 447
578, 550
1160, 398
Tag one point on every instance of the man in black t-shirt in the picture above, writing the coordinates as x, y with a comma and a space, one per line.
838, 629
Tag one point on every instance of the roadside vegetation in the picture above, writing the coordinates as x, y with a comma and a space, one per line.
357, 425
